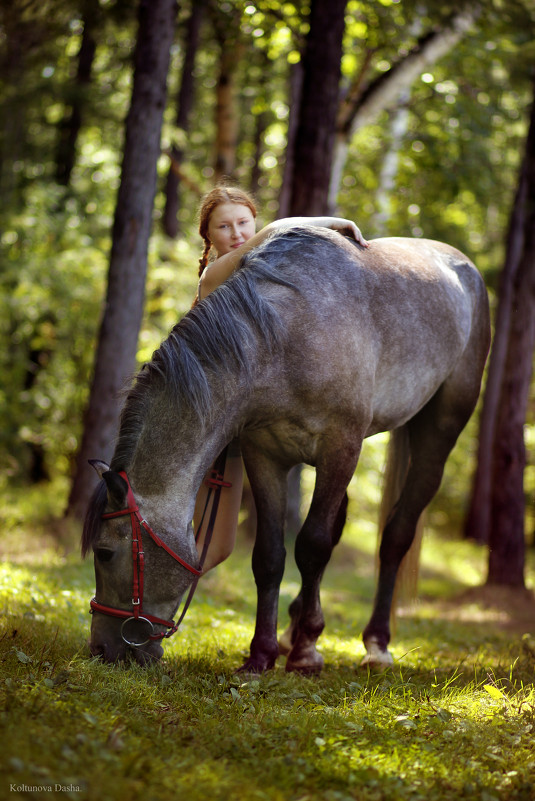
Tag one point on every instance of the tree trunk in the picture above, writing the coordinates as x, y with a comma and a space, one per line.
477, 522
309, 153
226, 113
116, 351
262, 120
507, 536
389, 170
314, 141
69, 127
296, 88
16, 52
185, 100
226, 23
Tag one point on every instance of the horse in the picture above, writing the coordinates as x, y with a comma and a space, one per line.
312, 345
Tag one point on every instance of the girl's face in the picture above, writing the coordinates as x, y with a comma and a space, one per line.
230, 225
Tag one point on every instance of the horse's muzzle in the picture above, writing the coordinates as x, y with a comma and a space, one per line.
115, 639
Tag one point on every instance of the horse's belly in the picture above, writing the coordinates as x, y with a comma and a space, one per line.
400, 394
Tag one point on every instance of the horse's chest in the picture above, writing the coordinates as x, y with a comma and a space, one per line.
285, 441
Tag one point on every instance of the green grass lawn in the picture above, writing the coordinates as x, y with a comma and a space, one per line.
454, 719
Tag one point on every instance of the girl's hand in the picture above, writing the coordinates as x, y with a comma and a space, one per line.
339, 224
348, 228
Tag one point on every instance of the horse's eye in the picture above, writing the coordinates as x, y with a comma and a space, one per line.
104, 554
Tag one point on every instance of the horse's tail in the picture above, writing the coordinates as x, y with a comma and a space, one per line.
395, 474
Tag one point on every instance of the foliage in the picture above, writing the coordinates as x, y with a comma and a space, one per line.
453, 719
457, 167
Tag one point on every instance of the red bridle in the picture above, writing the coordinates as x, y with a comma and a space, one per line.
215, 482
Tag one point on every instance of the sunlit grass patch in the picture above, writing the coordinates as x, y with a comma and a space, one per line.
453, 719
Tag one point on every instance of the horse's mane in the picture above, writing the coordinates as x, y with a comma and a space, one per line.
93, 517
213, 337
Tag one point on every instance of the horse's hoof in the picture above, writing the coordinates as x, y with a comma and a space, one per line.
307, 666
255, 666
377, 658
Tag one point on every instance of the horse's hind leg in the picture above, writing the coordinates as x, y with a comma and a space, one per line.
287, 639
432, 433
313, 548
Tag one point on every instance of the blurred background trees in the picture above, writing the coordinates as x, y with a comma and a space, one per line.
431, 118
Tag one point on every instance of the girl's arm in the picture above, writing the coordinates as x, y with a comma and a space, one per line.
219, 270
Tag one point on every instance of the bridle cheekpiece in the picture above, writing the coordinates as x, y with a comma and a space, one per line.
138, 523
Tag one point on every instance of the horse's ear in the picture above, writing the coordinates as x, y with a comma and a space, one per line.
117, 488
116, 485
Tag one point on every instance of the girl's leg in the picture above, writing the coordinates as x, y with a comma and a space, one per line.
224, 534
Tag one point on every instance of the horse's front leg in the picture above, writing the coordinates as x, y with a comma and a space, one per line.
287, 638
268, 483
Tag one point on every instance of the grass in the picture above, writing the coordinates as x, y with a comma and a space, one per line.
454, 719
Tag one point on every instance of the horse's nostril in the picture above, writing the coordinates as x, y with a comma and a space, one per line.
147, 656
97, 650
103, 651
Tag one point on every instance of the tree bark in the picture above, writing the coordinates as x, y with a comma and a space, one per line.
309, 154
477, 522
389, 170
507, 535
296, 89
227, 29
116, 351
314, 141
69, 127
185, 100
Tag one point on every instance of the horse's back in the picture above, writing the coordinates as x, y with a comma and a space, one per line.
373, 332
397, 295
332, 272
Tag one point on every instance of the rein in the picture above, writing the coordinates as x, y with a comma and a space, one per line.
215, 484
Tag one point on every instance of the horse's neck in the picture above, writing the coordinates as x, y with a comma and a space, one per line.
174, 453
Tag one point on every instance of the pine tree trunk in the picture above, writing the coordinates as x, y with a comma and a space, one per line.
507, 536
477, 522
69, 127
309, 155
226, 113
296, 89
314, 142
117, 344
185, 100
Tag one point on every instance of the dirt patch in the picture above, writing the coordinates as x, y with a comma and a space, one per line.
509, 608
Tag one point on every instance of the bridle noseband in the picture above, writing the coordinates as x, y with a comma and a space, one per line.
215, 483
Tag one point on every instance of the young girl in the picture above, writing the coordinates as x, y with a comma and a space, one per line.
227, 226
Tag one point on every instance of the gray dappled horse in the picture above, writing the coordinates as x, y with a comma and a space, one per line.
312, 345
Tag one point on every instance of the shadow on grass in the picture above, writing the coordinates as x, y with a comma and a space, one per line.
455, 629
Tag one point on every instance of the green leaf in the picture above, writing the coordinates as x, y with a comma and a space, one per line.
22, 657
494, 692
406, 722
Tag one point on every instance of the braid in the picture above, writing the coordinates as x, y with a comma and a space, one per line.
203, 261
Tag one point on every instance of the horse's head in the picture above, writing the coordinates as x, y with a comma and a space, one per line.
140, 575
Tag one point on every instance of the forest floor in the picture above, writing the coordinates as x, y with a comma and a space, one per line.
453, 720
